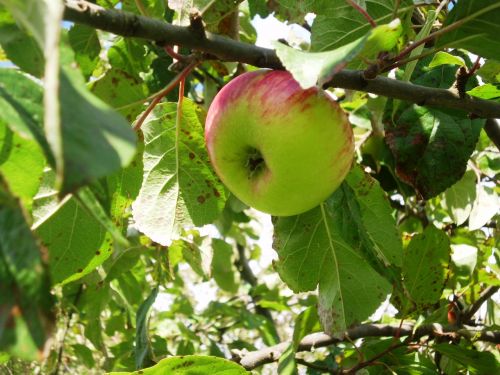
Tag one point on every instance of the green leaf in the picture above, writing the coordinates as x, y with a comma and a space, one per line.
86, 45
425, 266
179, 186
444, 58
191, 364
222, 266
314, 68
24, 282
21, 107
84, 354
215, 11
337, 23
476, 362
96, 140
20, 48
479, 32
486, 205
286, 362
377, 222
486, 92
458, 198
121, 91
21, 163
305, 323
197, 253
431, 147
76, 241
321, 248
490, 71
142, 344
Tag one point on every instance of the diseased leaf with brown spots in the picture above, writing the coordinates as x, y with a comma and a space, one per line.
425, 266
179, 187
431, 147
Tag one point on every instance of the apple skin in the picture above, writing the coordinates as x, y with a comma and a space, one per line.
278, 148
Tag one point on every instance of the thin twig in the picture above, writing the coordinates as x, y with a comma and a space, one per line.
363, 12
172, 84
371, 361
483, 297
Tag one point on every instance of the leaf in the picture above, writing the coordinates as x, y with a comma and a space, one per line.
431, 147
314, 68
486, 205
76, 241
490, 71
25, 297
197, 253
121, 91
479, 33
142, 345
286, 362
444, 58
475, 361
96, 140
321, 248
464, 258
486, 92
21, 164
21, 107
215, 11
222, 266
305, 323
377, 222
425, 266
191, 364
458, 198
337, 23
179, 187
20, 48
86, 45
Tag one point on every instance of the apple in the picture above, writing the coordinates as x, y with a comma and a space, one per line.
277, 147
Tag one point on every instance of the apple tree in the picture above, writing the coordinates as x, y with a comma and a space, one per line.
129, 246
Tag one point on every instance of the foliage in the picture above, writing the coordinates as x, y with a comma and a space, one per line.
121, 250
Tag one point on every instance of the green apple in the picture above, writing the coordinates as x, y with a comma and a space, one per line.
278, 148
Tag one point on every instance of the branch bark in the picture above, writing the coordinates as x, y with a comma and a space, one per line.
252, 360
225, 49
484, 296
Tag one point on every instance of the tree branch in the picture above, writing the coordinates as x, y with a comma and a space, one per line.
270, 354
483, 297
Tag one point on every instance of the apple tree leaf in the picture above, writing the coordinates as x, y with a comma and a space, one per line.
425, 266
20, 48
191, 364
486, 92
337, 23
376, 221
431, 147
445, 58
179, 186
122, 91
481, 363
86, 45
222, 266
96, 140
76, 241
479, 28
142, 343
486, 205
321, 248
21, 107
21, 164
458, 198
316, 68
25, 297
